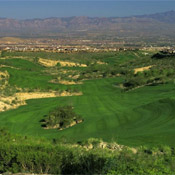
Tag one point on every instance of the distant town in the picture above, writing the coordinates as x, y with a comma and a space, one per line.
78, 48
34, 45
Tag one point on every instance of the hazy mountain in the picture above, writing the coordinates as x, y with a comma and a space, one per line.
167, 17
150, 27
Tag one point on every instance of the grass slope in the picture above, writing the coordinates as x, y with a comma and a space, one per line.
142, 116
26, 74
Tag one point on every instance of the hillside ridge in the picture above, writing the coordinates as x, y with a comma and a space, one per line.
82, 27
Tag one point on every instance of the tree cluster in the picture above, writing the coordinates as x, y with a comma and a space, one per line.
60, 118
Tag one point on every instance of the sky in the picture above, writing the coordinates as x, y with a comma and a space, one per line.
28, 9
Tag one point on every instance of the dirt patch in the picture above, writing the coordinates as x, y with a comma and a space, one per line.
141, 69
37, 95
9, 67
72, 124
7, 103
100, 62
47, 63
4, 77
71, 64
74, 76
58, 127
20, 98
15, 57
69, 82
52, 63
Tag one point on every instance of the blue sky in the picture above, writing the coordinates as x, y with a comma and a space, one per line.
27, 9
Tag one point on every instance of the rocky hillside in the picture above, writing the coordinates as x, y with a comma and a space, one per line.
145, 26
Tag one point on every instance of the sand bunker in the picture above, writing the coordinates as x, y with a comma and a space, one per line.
141, 69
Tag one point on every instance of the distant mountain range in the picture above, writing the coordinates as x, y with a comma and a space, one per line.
157, 27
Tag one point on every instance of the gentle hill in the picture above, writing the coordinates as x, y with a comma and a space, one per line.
10, 40
143, 115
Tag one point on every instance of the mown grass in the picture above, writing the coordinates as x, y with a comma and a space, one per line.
144, 116
26, 74
21, 64
82, 57
31, 80
141, 117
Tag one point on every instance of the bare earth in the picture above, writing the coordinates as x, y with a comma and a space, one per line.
9, 67
69, 82
19, 99
52, 63
141, 69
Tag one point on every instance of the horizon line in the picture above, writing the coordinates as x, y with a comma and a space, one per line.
87, 16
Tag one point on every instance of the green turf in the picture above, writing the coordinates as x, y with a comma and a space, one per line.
142, 116
145, 116
26, 74
31, 79
21, 64
83, 57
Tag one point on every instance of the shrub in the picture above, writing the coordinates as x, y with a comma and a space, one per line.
61, 117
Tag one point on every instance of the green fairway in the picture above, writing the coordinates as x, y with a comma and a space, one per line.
26, 74
143, 116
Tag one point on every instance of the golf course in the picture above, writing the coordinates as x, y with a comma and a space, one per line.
87, 113
141, 116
